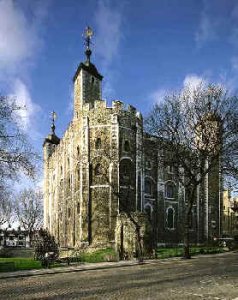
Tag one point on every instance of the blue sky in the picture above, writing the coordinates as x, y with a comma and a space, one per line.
143, 48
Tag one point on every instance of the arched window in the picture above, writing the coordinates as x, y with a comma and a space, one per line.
170, 169
61, 182
98, 143
170, 218
78, 207
69, 212
97, 170
170, 190
78, 151
148, 211
61, 170
78, 173
148, 187
127, 146
126, 169
148, 164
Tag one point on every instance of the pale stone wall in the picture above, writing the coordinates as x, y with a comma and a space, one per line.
82, 207
126, 238
90, 185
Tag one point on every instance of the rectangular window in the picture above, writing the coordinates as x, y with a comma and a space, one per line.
170, 169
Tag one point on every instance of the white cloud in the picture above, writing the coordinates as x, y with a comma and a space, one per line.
158, 96
206, 30
70, 106
19, 44
27, 114
218, 20
193, 81
108, 24
108, 21
234, 63
233, 37
19, 39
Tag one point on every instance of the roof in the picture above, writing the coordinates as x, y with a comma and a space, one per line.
13, 232
90, 68
52, 139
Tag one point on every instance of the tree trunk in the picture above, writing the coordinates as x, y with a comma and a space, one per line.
186, 253
122, 243
30, 238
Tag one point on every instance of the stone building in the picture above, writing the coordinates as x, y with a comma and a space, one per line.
101, 178
230, 214
14, 238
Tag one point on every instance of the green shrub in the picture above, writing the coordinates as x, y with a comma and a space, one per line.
16, 252
46, 249
4, 252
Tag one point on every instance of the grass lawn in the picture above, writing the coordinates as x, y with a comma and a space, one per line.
173, 252
107, 254
23, 263
18, 263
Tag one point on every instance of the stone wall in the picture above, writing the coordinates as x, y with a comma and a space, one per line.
106, 168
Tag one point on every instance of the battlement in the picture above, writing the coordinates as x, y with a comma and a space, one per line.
119, 107
100, 104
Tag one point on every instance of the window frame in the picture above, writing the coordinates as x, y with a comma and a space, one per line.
97, 170
98, 143
150, 192
127, 147
170, 208
172, 184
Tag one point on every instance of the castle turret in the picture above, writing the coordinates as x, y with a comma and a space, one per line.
87, 80
51, 140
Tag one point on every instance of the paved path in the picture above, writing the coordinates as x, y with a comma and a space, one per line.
203, 277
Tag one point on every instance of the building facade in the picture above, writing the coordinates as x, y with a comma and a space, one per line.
105, 171
14, 238
230, 214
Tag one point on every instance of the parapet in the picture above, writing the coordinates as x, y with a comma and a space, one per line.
100, 104
120, 107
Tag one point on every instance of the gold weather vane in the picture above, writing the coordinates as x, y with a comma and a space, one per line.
88, 33
53, 118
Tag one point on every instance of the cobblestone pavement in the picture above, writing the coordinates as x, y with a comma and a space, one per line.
204, 277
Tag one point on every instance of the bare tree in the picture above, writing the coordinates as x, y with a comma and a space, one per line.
6, 210
16, 154
29, 210
197, 132
127, 209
